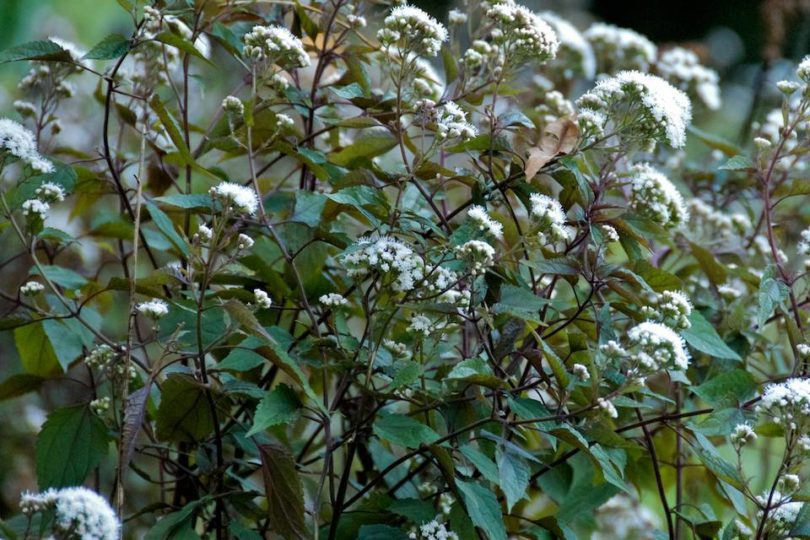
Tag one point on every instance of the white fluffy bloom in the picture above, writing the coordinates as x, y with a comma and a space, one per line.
204, 233
432, 530
154, 309
477, 254
803, 71
284, 122
233, 105
478, 215
262, 299
420, 324
451, 123
397, 349
31, 288
387, 256
244, 242
575, 55
682, 68
20, 143
456, 17
655, 197
788, 403
607, 407
78, 511
34, 208
333, 300
549, 217
742, 435
663, 114
520, 34
620, 48
581, 371
609, 233
782, 513
659, 347
675, 306
50, 192
413, 31
24, 108
623, 517
356, 21
277, 45
236, 197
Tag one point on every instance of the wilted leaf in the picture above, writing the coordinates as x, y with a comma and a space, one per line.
559, 138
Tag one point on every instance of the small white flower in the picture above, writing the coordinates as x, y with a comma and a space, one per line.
682, 68
420, 324
100, 406
277, 45
742, 435
478, 215
237, 197
549, 217
333, 300
659, 347
451, 124
412, 30
788, 403
356, 21
609, 233
581, 371
25, 108
388, 256
608, 407
31, 288
204, 233
20, 143
244, 242
34, 208
656, 198
620, 48
479, 255
262, 299
456, 17
803, 71
520, 34
575, 54
284, 122
78, 512
50, 192
154, 309
787, 87
233, 105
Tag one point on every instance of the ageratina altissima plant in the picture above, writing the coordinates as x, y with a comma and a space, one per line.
340, 270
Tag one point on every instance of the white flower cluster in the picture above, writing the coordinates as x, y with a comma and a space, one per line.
803, 70
396, 348
654, 197
276, 45
623, 517
620, 48
772, 130
683, 69
782, 513
741, 435
31, 288
456, 17
713, 223
670, 306
432, 530
555, 106
233, 105
609, 233
78, 511
236, 197
574, 56
244, 242
333, 300
659, 347
581, 371
788, 403
262, 299
477, 254
50, 193
451, 124
479, 54
607, 407
656, 110
154, 309
483, 222
388, 256
520, 34
101, 405
549, 218
20, 143
413, 31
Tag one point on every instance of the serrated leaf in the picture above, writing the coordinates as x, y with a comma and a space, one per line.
184, 413
73, 441
278, 406
514, 474
737, 163
483, 509
404, 431
285, 497
727, 388
43, 50
36, 352
112, 46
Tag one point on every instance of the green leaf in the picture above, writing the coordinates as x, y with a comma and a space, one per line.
174, 40
483, 508
371, 143
184, 413
476, 371
278, 406
381, 532
35, 350
64, 277
72, 443
520, 302
177, 525
485, 466
285, 497
705, 258
43, 50
718, 466
737, 163
514, 474
166, 226
19, 384
702, 336
70, 344
713, 141
193, 201
728, 388
173, 131
404, 431
771, 293
243, 357
112, 46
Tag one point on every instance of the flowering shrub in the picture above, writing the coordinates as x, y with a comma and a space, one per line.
401, 279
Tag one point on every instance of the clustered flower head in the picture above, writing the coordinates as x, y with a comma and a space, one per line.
714, 223
549, 218
803, 70
388, 256
154, 309
658, 347
654, 110
555, 106
654, 197
333, 300
623, 517
262, 299
683, 69
609, 233
20, 143
35, 209
575, 55
480, 218
31, 288
236, 197
451, 123
233, 105
244, 242
477, 254
276, 45
432, 530
782, 513
741, 435
520, 34
607, 407
50, 192
671, 306
620, 48
581, 371
78, 511
787, 403
412, 31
